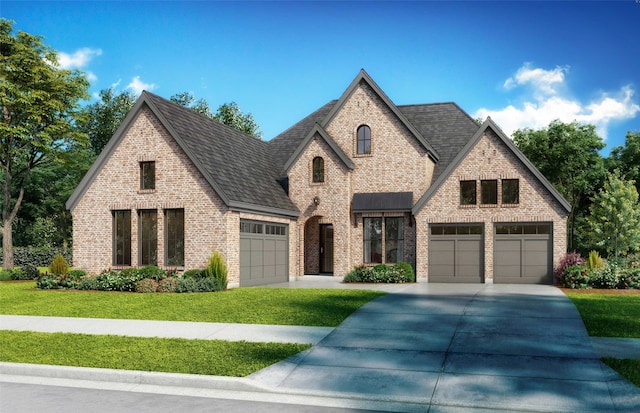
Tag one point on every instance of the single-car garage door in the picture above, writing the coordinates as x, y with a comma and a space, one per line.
264, 253
522, 254
456, 253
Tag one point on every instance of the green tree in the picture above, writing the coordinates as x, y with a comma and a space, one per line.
100, 120
615, 218
567, 155
627, 158
39, 103
227, 113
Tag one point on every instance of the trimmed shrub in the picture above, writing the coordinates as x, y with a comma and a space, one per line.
59, 265
576, 276
89, 283
399, 273
569, 259
37, 256
153, 272
217, 270
197, 285
168, 285
407, 270
146, 285
77, 274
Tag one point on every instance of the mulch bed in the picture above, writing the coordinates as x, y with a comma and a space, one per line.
601, 291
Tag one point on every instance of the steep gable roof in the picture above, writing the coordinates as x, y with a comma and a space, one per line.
319, 130
461, 155
448, 127
238, 167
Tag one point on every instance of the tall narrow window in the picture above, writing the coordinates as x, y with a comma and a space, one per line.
148, 237
174, 237
510, 191
468, 193
364, 140
373, 240
121, 238
147, 175
394, 239
489, 192
318, 169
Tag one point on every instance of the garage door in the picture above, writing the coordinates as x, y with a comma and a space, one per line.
264, 253
456, 254
522, 254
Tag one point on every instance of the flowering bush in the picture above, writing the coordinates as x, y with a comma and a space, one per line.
576, 276
569, 259
401, 272
147, 285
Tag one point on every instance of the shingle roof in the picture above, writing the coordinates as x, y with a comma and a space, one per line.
447, 127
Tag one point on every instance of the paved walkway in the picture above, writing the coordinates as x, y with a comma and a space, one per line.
424, 347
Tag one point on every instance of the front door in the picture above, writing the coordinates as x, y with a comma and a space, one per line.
326, 248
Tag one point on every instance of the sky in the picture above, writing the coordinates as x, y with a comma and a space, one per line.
522, 63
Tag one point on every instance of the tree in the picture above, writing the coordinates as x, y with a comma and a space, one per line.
39, 103
100, 120
627, 158
227, 113
567, 155
615, 218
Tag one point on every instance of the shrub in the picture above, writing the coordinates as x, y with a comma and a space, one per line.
146, 285
381, 273
605, 277
59, 265
407, 270
594, 261
569, 259
152, 272
77, 274
5, 275
168, 285
629, 278
217, 270
197, 273
89, 283
29, 272
197, 285
37, 256
575, 276
52, 282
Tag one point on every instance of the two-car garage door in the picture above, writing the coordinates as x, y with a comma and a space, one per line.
522, 253
264, 253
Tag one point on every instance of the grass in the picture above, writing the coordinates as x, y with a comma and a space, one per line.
210, 357
608, 315
629, 369
286, 306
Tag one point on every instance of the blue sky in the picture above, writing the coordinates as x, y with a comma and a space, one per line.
522, 63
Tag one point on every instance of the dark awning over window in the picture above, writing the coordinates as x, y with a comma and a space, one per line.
384, 201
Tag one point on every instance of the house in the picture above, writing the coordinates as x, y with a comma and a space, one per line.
359, 181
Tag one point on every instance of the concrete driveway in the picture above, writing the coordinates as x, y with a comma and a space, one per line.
461, 348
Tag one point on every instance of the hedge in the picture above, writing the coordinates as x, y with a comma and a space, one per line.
37, 256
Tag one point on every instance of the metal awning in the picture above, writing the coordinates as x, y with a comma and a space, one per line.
382, 201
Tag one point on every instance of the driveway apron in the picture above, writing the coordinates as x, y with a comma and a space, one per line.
462, 347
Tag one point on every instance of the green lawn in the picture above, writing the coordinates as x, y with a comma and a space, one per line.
283, 306
608, 315
629, 369
211, 357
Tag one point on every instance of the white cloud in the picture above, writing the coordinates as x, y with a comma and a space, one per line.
137, 85
545, 103
79, 59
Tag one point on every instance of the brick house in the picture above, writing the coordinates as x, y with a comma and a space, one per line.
360, 180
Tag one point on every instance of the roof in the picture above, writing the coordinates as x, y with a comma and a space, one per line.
382, 201
489, 124
237, 166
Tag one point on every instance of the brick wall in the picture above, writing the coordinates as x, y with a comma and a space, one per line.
490, 159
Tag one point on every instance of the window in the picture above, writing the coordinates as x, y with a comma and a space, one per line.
147, 175
373, 240
489, 192
174, 237
148, 236
121, 238
510, 191
394, 239
364, 140
318, 169
468, 193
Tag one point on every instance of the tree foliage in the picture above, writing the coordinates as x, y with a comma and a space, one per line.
101, 119
39, 103
227, 113
567, 155
615, 217
626, 158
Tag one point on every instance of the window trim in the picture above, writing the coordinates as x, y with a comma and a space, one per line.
141, 240
114, 240
482, 192
317, 175
475, 192
382, 240
365, 138
517, 189
167, 238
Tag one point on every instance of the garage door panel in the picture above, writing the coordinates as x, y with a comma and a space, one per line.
264, 255
455, 258
523, 258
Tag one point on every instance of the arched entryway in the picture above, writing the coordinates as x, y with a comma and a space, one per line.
318, 246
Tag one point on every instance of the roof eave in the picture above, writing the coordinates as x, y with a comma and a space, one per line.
317, 129
264, 210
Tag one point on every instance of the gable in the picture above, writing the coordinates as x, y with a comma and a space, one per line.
513, 163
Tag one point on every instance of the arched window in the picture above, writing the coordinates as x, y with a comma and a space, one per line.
318, 169
364, 140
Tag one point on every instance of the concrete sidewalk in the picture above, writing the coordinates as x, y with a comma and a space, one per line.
424, 347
